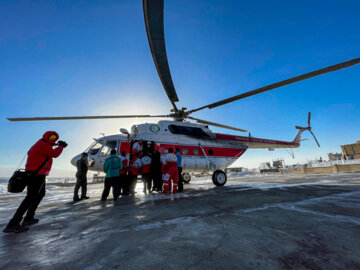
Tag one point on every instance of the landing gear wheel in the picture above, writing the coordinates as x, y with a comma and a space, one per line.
219, 178
186, 177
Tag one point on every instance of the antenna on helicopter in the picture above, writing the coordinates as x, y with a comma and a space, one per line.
103, 134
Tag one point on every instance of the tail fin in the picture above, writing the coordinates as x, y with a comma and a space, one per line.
302, 129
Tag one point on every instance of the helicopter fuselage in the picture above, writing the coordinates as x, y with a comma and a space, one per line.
201, 149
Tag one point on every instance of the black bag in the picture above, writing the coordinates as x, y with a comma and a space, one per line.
19, 180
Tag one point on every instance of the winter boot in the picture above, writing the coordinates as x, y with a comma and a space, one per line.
85, 197
11, 228
28, 222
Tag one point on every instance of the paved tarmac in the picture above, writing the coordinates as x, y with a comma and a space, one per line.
270, 222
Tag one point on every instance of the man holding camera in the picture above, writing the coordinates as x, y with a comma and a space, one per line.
38, 165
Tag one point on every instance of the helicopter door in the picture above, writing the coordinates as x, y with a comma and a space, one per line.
148, 146
125, 147
105, 152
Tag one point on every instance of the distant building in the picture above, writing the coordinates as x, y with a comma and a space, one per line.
235, 169
336, 156
265, 166
351, 151
278, 163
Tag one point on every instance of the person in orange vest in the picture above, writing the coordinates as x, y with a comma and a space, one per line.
123, 177
170, 172
146, 172
134, 168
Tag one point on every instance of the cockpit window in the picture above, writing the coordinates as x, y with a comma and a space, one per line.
94, 148
190, 131
105, 151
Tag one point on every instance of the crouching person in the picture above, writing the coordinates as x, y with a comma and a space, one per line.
112, 166
38, 164
170, 172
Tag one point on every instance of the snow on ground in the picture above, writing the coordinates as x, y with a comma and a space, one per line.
254, 222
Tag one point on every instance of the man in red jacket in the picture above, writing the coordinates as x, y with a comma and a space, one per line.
38, 165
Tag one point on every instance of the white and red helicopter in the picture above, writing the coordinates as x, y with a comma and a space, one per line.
202, 149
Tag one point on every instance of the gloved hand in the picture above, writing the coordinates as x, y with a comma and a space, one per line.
62, 143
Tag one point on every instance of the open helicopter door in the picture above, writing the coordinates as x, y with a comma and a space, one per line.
148, 146
125, 147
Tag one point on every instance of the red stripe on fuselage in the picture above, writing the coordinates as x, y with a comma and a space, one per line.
190, 150
220, 136
216, 151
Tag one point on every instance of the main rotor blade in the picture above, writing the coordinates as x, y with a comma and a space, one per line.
154, 22
216, 124
282, 83
314, 138
82, 117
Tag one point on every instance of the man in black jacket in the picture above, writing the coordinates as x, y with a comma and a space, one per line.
81, 180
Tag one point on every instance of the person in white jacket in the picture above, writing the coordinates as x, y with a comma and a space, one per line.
137, 147
146, 172
134, 169
170, 172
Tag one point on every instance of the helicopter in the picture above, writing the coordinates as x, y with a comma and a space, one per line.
201, 148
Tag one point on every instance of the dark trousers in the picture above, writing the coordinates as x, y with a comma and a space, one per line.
157, 181
34, 195
111, 182
133, 181
123, 184
180, 180
146, 177
81, 181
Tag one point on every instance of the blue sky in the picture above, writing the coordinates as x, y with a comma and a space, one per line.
92, 57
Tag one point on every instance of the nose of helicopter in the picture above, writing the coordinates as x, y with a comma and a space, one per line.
75, 159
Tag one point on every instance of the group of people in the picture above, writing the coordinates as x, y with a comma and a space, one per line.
158, 173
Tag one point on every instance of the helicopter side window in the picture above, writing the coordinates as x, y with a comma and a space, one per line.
105, 151
185, 151
94, 149
190, 131
196, 151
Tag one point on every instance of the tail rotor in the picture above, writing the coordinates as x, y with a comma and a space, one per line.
309, 128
